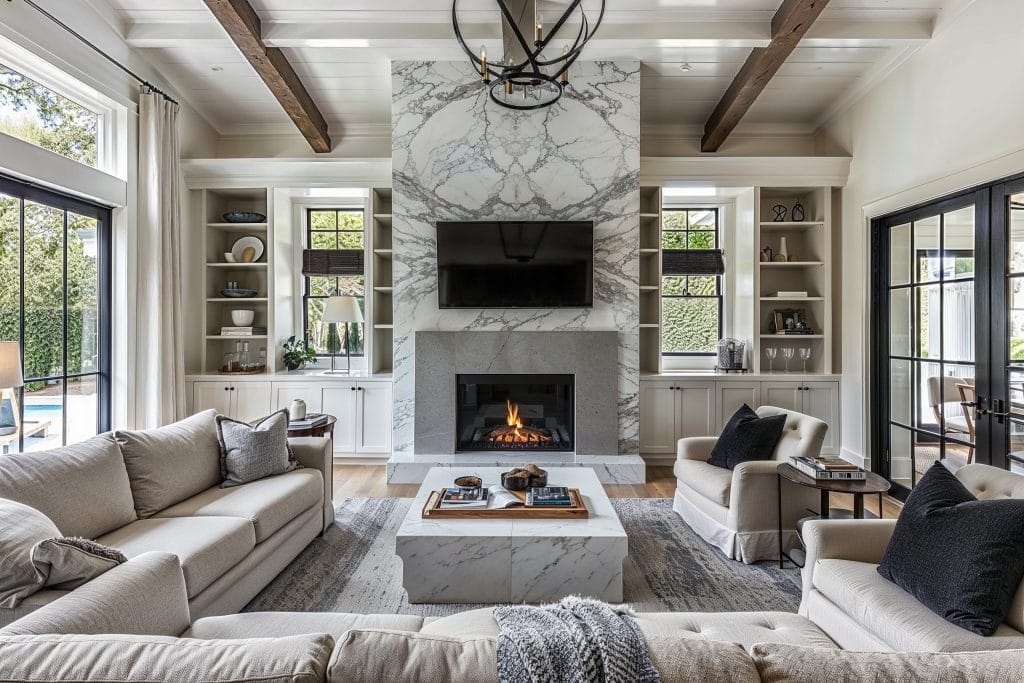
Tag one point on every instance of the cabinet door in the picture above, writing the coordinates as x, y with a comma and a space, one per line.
695, 409
286, 392
783, 395
731, 396
251, 400
212, 395
340, 400
821, 400
657, 417
374, 422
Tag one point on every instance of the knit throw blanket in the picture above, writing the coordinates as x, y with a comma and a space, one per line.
579, 640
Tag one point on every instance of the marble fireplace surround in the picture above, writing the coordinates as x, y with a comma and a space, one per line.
591, 356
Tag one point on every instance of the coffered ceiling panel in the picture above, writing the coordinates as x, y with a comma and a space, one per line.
690, 50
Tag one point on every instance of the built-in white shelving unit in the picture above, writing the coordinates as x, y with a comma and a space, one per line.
382, 355
650, 279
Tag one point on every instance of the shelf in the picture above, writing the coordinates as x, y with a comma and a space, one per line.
384, 290
649, 326
380, 326
236, 337
382, 216
237, 227
237, 300
792, 298
650, 215
649, 288
242, 266
383, 253
649, 252
791, 264
791, 225
793, 337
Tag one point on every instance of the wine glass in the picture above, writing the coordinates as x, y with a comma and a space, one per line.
805, 355
788, 352
770, 353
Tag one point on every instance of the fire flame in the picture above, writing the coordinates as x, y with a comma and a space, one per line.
514, 431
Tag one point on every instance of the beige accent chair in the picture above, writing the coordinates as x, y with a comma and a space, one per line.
844, 594
946, 396
737, 511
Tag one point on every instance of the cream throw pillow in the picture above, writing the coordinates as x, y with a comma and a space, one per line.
251, 452
67, 563
21, 528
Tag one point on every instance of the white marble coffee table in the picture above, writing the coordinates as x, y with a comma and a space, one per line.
505, 560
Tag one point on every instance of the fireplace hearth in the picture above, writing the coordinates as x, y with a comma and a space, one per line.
515, 412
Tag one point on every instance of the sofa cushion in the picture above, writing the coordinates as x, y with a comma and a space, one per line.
252, 452
83, 488
67, 563
376, 655
794, 664
945, 535
206, 546
168, 465
21, 528
474, 622
274, 624
747, 436
687, 660
745, 628
294, 659
714, 483
896, 617
268, 503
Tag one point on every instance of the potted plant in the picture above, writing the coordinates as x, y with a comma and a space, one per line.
297, 353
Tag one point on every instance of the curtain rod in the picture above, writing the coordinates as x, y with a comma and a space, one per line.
97, 50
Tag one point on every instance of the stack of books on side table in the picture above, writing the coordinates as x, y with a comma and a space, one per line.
549, 496
828, 468
311, 420
456, 497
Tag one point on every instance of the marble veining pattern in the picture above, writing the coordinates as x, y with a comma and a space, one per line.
457, 156
506, 560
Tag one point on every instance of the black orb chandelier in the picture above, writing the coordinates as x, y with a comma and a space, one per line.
535, 81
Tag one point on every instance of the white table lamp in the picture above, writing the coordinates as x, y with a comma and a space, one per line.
342, 309
10, 378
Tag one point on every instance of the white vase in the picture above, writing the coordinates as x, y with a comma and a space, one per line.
783, 252
298, 410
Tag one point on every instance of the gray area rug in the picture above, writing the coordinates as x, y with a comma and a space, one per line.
353, 567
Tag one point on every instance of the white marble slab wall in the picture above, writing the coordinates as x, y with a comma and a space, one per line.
459, 156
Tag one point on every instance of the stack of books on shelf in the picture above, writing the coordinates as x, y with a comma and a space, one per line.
828, 468
456, 497
311, 420
549, 496
230, 331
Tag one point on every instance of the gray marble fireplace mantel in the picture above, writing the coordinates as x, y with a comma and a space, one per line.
592, 356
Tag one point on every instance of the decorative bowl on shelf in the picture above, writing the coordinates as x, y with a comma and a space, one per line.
244, 217
238, 293
242, 317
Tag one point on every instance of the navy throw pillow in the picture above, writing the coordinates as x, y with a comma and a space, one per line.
747, 436
961, 557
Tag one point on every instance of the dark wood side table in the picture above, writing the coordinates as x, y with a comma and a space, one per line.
858, 488
322, 429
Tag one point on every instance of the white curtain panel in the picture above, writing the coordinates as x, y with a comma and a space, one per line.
159, 340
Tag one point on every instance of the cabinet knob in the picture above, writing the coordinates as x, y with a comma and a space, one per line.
225, 388
351, 388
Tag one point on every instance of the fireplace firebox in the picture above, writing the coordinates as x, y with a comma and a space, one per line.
515, 412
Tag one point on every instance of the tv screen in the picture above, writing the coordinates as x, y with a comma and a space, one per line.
515, 264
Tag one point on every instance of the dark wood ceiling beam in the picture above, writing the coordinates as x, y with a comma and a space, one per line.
791, 22
243, 26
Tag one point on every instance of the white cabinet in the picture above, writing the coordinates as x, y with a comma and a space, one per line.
672, 410
363, 410
245, 401
286, 392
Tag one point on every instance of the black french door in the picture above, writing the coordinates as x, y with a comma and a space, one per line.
948, 334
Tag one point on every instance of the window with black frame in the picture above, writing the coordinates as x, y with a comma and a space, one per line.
334, 264
691, 282
55, 284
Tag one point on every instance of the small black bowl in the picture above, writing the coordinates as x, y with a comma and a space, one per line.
468, 482
514, 483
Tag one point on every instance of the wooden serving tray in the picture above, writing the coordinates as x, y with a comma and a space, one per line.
432, 509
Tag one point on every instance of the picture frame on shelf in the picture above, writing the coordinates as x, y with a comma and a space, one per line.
788, 318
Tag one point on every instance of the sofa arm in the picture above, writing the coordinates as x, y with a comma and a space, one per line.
696, 447
754, 498
860, 540
317, 452
144, 596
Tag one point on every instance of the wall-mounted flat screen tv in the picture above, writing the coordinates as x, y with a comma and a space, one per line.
515, 264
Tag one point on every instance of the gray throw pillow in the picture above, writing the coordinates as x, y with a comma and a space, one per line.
67, 563
251, 452
21, 528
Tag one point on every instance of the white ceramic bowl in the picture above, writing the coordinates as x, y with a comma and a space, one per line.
229, 257
242, 317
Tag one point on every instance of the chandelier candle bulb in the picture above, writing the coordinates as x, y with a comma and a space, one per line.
483, 64
565, 71
539, 34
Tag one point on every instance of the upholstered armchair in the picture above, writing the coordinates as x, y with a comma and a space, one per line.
737, 511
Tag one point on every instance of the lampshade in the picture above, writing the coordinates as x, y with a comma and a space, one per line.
10, 365
342, 309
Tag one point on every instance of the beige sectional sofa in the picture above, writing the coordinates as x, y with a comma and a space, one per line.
159, 490
132, 624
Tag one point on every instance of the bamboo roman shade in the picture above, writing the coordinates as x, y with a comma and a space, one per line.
692, 262
332, 262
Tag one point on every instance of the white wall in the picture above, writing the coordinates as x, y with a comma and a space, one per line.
947, 119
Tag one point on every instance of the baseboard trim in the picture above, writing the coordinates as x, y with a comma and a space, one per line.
361, 459
659, 459
855, 458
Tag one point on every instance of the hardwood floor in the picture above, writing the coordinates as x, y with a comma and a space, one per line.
370, 481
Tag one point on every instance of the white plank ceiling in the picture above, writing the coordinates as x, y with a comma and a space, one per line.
342, 50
